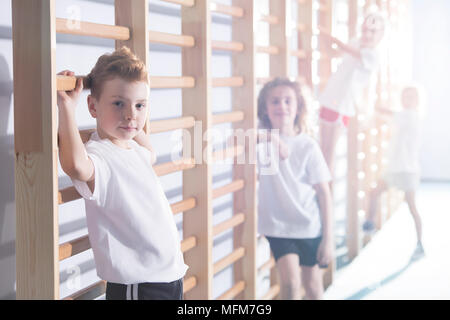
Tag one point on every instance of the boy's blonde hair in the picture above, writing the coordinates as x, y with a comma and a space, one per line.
121, 63
300, 123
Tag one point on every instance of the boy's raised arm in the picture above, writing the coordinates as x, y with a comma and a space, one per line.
340, 45
72, 153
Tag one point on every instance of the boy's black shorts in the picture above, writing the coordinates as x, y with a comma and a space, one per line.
306, 249
145, 291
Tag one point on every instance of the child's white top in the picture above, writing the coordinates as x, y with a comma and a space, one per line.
287, 204
403, 153
131, 226
346, 85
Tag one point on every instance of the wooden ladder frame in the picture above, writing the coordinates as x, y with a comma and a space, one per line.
35, 25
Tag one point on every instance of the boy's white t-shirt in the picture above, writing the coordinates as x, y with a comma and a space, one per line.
130, 223
346, 85
287, 201
403, 153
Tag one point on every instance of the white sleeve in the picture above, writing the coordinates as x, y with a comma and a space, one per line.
101, 173
316, 168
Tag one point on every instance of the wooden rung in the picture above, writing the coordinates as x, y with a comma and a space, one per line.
159, 126
268, 49
71, 194
173, 166
228, 260
73, 247
171, 39
189, 283
86, 134
183, 205
67, 195
228, 188
272, 293
301, 54
234, 116
186, 3
89, 293
227, 46
227, 153
267, 265
81, 28
234, 221
66, 83
269, 19
156, 126
233, 11
171, 82
233, 292
228, 82
188, 243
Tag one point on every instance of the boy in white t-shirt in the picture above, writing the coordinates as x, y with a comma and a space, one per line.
346, 85
403, 169
130, 223
294, 200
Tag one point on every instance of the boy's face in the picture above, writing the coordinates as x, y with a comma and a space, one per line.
281, 107
121, 110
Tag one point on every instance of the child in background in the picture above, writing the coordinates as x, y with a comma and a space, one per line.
294, 205
346, 85
403, 169
131, 227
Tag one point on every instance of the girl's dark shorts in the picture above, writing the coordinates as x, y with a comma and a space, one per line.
306, 249
145, 291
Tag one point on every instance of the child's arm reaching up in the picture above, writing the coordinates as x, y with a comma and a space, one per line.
72, 153
325, 251
341, 46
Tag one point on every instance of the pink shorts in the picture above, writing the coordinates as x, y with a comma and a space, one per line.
332, 116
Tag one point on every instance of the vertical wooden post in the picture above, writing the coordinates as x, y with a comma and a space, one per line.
35, 143
244, 99
197, 182
325, 21
352, 159
134, 15
305, 18
280, 37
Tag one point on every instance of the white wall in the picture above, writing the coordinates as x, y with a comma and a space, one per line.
80, 54
431, 66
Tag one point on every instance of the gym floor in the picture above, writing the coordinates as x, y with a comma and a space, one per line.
383, 269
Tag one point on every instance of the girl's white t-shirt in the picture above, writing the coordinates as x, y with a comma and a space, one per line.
131, 226
403, 152
287, 201
346, 85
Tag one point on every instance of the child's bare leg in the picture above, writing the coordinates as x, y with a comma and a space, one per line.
329, 135
289, 271
410, 197
374, 200
312, 279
